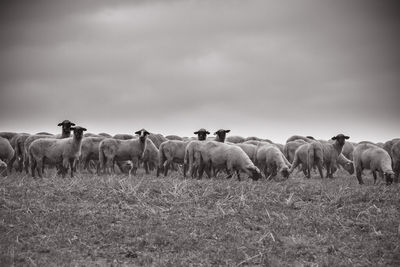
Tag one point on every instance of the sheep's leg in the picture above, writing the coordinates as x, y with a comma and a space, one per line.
33, 168
358, 175
39, 168
167, 164
238, 175
71, 165
135, 166
146, 167
184, 169
374, 174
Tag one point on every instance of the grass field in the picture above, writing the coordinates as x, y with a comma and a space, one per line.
144, 220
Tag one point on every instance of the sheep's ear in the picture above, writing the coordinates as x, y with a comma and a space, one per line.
83, 129
72, 128
333, 138
137, 132
346, 137
227, 131
60, 124
196, 132
146, 133
207, 132
73, 124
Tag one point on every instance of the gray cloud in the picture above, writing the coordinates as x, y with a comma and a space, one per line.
257, 67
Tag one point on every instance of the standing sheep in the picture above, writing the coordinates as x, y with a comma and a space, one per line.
6, 153
307, 139
64, 152
157, 139
171, 151
202, 134
309, 155
332, 152
221, 135
90, 151
65, 129
112, 150
216, 155
290, 148
270, 160
19, 149
150, 156
371, 157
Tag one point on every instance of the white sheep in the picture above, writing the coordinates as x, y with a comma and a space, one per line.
18, 145
371, 157
309, 155
270, 160
250, 150
115, 150
332, 150
171, 151
6, 153
216, 155
28, 141
64, 152
396, 159
307, 139
347, 150
291, 147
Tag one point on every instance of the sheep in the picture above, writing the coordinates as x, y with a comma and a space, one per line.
270, 161
332, 152
309, 155
216, 154
171, 151
291, 147
56, 151
111, 150
157, 139
347, 150
371, 157
307, 139
6, 153
202, 134
8, 135
174, 137
281, 147
123, 136
345, 163
28, 141
396, 159
66, 129
150, 156
221, 135
388, 145
250, 150
90, 151
18, 145
235, 139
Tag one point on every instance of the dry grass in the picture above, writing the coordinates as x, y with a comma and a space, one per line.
145, 220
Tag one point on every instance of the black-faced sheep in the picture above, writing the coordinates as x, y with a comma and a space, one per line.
217, 155
112, 150
202, 134
371, 157
171, 151
221, 135
332, 151
65, 130
63, 152
6, 153
271, 161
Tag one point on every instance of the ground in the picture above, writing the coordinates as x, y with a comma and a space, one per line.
171, 221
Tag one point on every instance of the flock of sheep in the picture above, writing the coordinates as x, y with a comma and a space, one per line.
233, 154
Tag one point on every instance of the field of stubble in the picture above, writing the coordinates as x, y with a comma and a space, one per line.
144, 220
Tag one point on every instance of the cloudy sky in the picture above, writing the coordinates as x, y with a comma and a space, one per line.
265, 68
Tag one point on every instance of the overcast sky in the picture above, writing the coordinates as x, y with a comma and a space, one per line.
259, 68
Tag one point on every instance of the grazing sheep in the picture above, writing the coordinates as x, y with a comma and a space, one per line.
396, 159
8, 135
64, 151
250, 150
309, 155
371, 157
270, 161
157, 139
105, 135
388, 145
235, 139
123, 136
113, 150
332, 152
66, 129
6, 153
290, 148
171, 151
347, 150
216, 155
174, 137
221, 135
90, 151
307, 139
345, 163
150, 156
202, 134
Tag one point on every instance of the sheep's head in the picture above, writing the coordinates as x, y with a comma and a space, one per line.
389, 176
255, 172
349, 167
285, 172
78, 132
66, 126
221, 134
202, 134
340, 138
142, 134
